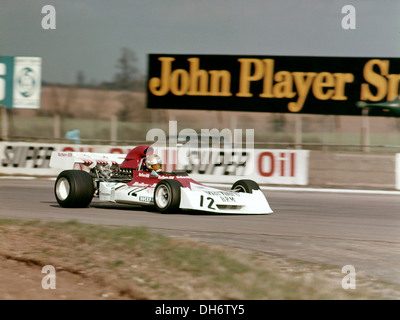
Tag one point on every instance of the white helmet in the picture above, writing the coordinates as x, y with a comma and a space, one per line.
153, 162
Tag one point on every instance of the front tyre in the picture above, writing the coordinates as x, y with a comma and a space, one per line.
246, 186
74, 189
167, 196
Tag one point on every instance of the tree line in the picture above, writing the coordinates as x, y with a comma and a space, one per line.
127, 76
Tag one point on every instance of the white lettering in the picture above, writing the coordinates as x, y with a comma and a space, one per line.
349, 21
49, 280
349, 281
49, 20
172, 310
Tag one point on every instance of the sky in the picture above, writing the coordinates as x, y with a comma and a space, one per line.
89, 34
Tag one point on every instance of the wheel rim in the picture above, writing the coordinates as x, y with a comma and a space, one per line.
62, 189
239, 188
162, 196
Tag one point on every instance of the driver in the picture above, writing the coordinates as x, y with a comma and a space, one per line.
153, 162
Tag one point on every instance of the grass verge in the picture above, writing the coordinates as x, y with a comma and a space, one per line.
148, 265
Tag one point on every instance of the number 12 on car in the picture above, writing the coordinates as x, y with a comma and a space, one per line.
209, 200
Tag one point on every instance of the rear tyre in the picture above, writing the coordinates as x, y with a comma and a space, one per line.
246, 186
167, 196
74, 189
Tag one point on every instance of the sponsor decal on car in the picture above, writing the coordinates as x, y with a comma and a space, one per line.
145, 199
142, 184
223, 193
144, 175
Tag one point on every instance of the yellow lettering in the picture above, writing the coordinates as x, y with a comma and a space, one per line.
160, 86
321, 81
340, 82
198, 79
393, 86
377, 80
303, 81
268, 78
194, 83
282, 84
284, 87
179, 82
220, 83
246, 77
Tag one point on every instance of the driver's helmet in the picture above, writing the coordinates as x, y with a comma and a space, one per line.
153, 162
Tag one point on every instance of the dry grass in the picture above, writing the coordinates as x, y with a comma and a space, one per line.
133, 263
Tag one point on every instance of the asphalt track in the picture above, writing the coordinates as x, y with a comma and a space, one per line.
335, 228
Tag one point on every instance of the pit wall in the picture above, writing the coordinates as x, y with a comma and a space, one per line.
266, 166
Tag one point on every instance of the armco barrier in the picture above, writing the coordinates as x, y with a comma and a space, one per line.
266, 166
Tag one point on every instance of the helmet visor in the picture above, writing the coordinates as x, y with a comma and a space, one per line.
156, 166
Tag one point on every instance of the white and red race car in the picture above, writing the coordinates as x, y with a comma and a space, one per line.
123, 179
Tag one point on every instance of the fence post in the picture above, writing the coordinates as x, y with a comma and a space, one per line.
298, 139
113, 129
57, 126
4, 123
365, 130
327, 123
234, 122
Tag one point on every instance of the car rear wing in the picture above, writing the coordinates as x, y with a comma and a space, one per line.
83, 160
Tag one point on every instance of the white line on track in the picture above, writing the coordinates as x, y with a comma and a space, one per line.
316, 189
24, 178
227, 185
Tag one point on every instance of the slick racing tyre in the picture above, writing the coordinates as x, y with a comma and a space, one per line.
246, 186
74, 189
167, 196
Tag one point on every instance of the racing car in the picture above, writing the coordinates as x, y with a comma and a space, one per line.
125, 179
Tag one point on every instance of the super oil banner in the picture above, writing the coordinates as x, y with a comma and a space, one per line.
20, 82
266, 166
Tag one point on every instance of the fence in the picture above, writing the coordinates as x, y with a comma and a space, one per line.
121, 117
335, 133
